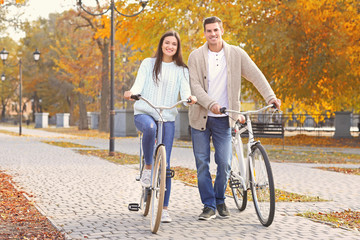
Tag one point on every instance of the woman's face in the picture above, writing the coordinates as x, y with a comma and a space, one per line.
169, 46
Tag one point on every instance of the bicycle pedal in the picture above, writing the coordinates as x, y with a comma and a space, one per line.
234, 183
170, 173
134, 207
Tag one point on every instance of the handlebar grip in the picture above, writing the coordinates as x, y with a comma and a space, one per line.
223, 109
135, 97
188, 100
276, 108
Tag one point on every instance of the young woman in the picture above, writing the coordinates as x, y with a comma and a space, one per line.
160, 80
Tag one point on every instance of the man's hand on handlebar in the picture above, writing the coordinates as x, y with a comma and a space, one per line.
192, 100
241, 118
215, 109
276, 101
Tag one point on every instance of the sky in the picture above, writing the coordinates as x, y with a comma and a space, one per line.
39, 8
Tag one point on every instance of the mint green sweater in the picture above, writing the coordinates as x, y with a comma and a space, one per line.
173, 80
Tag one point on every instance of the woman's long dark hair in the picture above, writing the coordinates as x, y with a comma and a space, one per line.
177, 58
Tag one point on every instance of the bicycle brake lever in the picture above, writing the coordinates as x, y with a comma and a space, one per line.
223, 110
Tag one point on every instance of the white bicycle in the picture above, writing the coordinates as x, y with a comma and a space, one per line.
152, 198
251, 171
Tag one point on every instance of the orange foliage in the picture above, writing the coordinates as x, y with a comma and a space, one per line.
309, 49
18, 216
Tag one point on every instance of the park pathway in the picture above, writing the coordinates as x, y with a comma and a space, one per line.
87, 197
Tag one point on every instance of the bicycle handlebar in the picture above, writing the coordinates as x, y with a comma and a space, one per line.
137, 97
224, 110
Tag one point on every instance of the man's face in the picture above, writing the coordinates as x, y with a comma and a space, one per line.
213, 33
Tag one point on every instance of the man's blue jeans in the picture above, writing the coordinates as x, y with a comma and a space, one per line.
148, 126
218, 129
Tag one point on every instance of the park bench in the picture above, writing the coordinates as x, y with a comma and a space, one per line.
266, 130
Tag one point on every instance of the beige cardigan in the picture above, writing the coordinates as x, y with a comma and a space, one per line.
238, 64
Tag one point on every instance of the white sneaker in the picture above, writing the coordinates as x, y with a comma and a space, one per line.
146, 178
165, 216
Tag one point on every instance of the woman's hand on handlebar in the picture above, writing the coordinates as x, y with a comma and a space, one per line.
192, 100
127, 95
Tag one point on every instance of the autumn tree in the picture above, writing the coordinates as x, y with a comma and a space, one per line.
10, 84
103, 44
76, 61
309, 50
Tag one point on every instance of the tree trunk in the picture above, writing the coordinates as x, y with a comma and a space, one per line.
71, 102
105, 89
83, 120
3, 110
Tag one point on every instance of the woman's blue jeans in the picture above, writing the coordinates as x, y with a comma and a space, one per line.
218, 129
148, 126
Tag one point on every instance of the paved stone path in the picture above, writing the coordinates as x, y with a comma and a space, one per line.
87, 197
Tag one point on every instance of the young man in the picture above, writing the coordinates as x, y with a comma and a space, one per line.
215, 79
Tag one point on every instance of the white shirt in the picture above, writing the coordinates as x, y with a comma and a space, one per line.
217, 76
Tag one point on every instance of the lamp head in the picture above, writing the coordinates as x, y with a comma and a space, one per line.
143, 2
36, 55
3, 77
4, 54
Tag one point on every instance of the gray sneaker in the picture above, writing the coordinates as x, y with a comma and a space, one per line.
207, 214
223, 211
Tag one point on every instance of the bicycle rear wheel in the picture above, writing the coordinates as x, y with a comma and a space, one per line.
158, 191
262, 185
145, 192
238, 192
145, 201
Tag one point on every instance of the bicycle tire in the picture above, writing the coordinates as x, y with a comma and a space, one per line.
158, 192
145, 201
145, 192
262, 185
239, 194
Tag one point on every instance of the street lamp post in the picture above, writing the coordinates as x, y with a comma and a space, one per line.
4, 54
112, 9
2, 94
123, 86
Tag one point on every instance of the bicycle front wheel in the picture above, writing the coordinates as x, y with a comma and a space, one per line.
158, 191
262, 185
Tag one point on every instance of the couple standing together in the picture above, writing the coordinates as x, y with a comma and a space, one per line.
212, 80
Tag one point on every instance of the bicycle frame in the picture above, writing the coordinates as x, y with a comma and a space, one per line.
159, 110
253, 173
244, 165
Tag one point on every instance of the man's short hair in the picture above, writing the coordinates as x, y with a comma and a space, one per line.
213, 19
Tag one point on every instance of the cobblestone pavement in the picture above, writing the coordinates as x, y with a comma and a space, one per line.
87, 197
